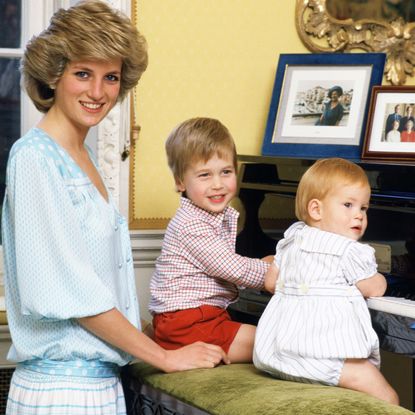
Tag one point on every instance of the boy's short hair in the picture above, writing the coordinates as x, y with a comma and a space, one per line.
321, 177
90, 30
197, 139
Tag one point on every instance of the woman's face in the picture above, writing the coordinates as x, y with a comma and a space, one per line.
87, 91
334, 96
409, 125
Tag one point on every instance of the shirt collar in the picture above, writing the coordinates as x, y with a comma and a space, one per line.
216, 219
316, 240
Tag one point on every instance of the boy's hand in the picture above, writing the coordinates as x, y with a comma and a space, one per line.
197, 355
271, 277
270, 284
268, 258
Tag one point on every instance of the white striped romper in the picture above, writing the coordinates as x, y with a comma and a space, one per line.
317, 317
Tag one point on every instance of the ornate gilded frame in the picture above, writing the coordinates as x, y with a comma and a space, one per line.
320, 32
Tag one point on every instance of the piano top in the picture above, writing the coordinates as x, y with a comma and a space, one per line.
379, 164
394, 305
392, 183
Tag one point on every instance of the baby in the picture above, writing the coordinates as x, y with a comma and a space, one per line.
317, 327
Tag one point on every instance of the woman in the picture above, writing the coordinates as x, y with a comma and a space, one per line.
70, 289
333, 110
408, 135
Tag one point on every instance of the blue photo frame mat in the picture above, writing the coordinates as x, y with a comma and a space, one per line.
315, 151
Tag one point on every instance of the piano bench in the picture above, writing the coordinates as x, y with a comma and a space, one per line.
239, 389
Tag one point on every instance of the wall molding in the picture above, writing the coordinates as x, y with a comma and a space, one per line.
146, 246
113, 132
149, 223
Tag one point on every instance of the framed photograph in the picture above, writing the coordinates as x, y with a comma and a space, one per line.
390, 133
319, 104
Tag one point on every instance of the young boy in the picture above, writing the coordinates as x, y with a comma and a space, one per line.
198, 272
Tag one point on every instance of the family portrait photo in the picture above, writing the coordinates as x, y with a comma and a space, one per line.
390, 131
399, 123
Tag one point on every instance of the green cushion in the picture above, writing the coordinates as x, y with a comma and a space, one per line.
240, 389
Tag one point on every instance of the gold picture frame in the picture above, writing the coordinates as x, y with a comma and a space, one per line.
320, 31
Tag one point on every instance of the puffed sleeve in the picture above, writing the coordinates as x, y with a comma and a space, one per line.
278, 254
55, 278
289, 236
359, 262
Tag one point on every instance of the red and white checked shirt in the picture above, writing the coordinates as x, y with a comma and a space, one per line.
198, 264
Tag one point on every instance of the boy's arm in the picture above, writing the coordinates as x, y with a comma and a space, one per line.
217, 258
271, 277
374, 286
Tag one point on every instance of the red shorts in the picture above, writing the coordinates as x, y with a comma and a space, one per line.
206, 323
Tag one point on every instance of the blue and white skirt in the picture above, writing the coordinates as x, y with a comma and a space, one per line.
66, 388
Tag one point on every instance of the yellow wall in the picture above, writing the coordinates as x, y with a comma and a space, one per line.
207, 58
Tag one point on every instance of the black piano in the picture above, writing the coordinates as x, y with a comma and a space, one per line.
391, 230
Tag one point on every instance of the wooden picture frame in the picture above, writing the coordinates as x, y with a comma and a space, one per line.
390, 132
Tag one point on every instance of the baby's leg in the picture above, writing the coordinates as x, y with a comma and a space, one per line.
243, 344
363, 376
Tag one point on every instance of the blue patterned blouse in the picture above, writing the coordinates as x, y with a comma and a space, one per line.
67, 255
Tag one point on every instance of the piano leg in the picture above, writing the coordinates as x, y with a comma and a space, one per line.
252, 241
397, 338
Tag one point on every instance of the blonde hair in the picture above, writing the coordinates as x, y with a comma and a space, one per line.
321, 177
89, 30
198, 139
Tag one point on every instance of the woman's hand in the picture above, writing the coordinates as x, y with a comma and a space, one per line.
194, 356
115, 329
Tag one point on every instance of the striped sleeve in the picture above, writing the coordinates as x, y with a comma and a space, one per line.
359, 262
